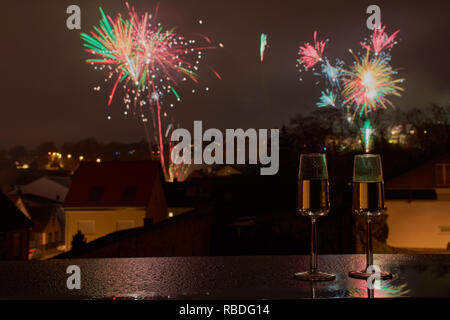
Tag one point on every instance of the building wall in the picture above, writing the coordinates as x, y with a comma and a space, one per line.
417, 224
184, 235
105, 220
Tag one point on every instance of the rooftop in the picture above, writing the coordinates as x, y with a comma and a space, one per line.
112, 184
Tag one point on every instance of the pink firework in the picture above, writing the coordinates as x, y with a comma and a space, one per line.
310, 55
380, 39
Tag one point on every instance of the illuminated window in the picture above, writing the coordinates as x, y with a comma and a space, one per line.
442, 174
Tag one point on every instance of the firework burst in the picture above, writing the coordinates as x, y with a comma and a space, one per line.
310, 55
365, 86
142, 55
368, 83
380, 40
327, 99
149, 61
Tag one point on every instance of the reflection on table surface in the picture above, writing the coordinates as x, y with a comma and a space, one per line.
259, 277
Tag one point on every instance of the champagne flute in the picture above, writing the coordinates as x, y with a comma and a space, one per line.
313, 201
368, 201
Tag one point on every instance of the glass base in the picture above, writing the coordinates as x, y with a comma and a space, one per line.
365, 275
314, 276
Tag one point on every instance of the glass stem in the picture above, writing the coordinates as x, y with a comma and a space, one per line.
369, 251
313, 245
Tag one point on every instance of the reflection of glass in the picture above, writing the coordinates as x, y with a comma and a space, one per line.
313, 202
313, 289
368, 200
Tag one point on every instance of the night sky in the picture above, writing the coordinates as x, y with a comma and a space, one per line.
47, 88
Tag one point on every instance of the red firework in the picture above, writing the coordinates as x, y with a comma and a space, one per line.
310, 55
380, 40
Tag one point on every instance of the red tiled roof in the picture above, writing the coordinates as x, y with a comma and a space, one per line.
114, 177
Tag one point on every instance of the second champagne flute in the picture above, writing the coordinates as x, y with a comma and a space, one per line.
368, 201
313, 201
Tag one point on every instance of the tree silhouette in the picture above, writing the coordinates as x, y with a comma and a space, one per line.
78, 241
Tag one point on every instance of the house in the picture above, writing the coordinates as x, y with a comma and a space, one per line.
187, 234
418, 206
47, 231
44, 211
46, 190
15, 230
113, 195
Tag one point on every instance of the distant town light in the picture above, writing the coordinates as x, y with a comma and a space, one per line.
170, 214
81, 158
23, 166
98, 160
425, 131
69, 156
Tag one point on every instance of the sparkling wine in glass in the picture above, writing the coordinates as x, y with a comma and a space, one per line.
313, 201
368, 201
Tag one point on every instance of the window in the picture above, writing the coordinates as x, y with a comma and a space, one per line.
129, 194
50, 239
86, 227
96, 193
442, 174
125, 224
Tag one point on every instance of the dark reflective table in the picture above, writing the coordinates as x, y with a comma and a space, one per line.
259, 277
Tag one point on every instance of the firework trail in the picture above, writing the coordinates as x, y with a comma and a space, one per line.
149, 62
262, 46
367, 134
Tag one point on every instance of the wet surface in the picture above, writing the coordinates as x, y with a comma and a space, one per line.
262, 277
